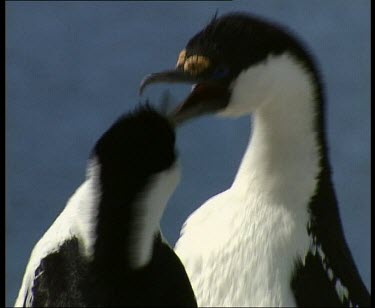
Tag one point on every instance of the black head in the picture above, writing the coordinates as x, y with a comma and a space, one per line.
215, 56
141, 143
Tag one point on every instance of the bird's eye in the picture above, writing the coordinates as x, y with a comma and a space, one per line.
220, 72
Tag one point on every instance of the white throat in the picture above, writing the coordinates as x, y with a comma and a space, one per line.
283, 150
254, 231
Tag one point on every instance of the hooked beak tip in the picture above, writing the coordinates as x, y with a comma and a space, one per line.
172, 76
145, 81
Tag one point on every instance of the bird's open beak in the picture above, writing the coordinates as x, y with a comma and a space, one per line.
206, 96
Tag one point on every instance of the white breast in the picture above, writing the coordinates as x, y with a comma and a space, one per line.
237, 256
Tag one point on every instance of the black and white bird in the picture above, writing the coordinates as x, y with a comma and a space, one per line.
274, 238
106, 247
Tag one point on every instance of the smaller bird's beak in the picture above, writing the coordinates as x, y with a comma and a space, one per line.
206, 96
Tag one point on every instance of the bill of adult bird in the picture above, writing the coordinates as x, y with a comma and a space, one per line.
274, 238
106, 247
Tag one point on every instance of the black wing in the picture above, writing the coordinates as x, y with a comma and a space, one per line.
57, 278
312, 284
312, 287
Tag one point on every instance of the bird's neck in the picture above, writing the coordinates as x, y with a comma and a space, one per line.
126, 221
282, 159
275, 182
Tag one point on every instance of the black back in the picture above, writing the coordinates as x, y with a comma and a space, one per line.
64, 279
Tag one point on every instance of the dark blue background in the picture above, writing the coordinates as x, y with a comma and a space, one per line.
73, 67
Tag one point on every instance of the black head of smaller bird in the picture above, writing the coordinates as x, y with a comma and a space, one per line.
216, 58
138, 144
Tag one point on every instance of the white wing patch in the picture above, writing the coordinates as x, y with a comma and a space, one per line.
341, 290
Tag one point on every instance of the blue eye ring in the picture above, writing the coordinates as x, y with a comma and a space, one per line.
220, 72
